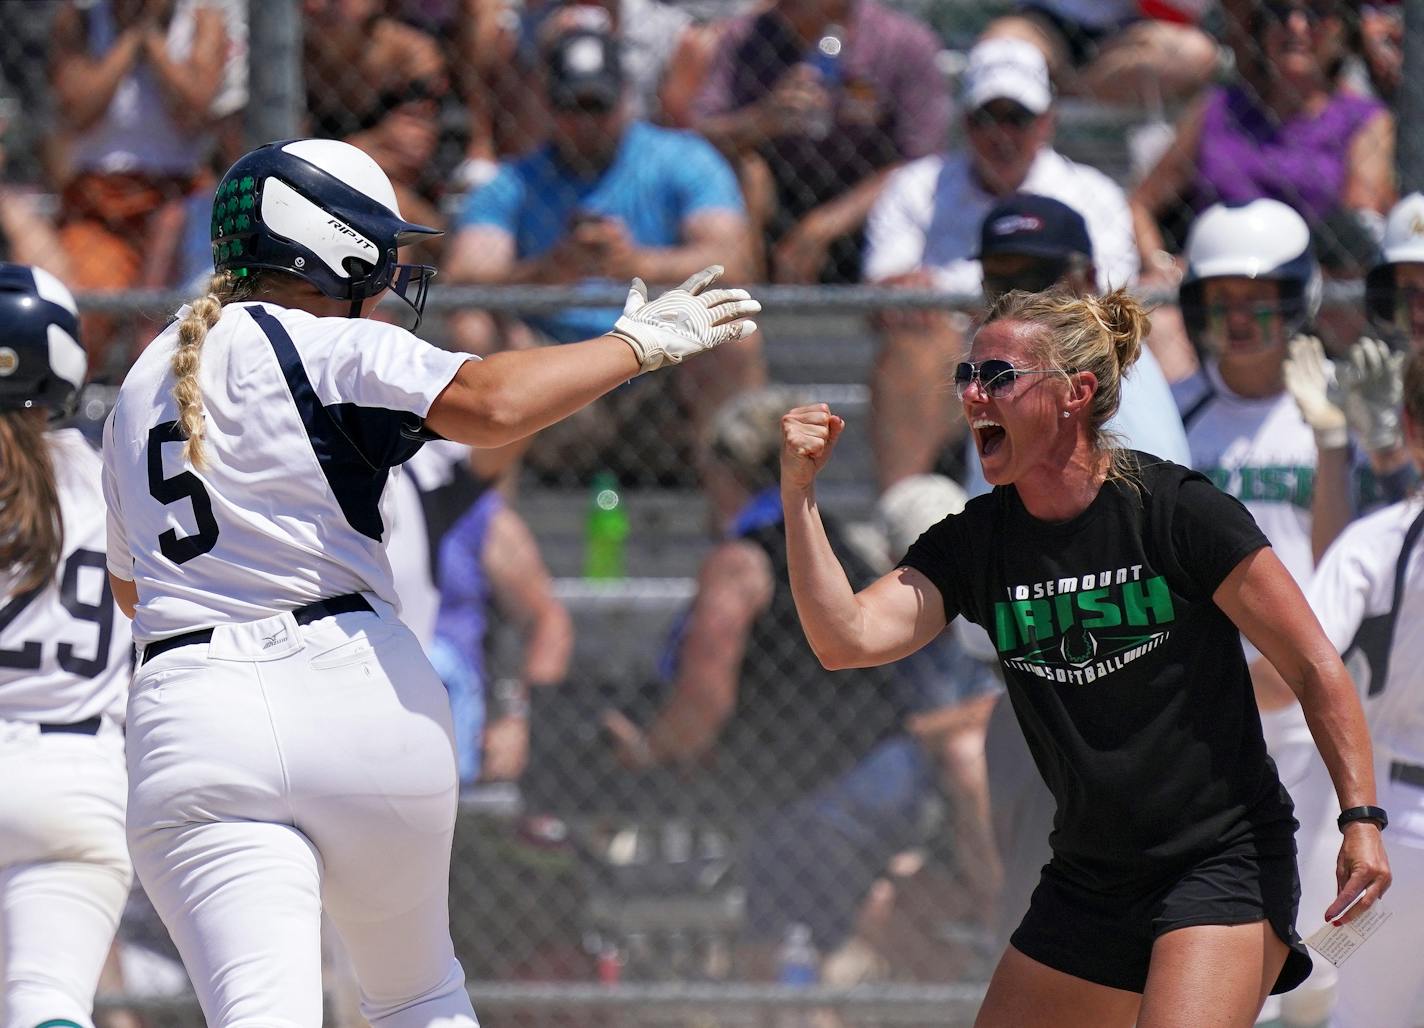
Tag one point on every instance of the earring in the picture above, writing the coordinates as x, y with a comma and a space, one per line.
1067, 415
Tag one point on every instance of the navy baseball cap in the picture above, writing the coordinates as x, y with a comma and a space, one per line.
1034, 226
584, 68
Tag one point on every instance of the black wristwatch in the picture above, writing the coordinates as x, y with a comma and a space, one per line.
1375, 814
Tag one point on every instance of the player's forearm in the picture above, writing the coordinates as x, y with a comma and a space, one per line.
825, 601
1331, 508
515, 393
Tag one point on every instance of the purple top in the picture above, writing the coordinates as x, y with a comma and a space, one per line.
1245, 154
892, 105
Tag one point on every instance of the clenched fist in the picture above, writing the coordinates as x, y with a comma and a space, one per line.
808, 435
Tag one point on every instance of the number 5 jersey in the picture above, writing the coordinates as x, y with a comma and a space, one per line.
305, 420
64, 647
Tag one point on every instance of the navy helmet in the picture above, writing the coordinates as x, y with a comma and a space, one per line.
42, 363
324, 211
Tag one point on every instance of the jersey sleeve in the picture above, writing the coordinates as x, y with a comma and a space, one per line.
1211, 533
935, 554
118, 556
372, 364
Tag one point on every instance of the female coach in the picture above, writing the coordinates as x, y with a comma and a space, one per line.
1113, 585
290, 747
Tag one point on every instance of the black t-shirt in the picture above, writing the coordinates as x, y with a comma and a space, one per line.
1129, 682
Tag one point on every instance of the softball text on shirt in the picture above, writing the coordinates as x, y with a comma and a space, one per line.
1078, 629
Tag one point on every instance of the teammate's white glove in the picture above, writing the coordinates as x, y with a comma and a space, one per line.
1309, 379
1373, 383
683, 321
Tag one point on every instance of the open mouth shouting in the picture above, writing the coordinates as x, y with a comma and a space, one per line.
989, 436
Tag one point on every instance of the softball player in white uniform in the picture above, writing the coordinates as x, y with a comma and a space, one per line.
65, 655
289, 745
1369, 595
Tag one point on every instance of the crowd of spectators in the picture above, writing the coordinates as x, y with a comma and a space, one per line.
580, 144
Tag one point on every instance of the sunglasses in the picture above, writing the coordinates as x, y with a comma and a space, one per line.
995, 377
1009, 115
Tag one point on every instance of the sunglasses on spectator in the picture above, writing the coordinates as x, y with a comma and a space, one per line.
996, 378
1007, 114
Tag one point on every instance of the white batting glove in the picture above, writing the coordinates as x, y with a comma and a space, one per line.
1310, 379
683, 321
1373, 382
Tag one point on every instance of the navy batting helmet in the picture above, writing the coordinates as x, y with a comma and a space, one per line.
42, 363
322, 210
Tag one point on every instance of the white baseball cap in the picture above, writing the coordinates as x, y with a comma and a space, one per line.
1007, 69
1404, 232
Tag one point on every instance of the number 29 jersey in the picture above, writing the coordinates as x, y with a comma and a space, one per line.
307, 419
65, 648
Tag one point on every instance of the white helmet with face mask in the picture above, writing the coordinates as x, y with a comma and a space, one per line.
1261, 240
1403, 244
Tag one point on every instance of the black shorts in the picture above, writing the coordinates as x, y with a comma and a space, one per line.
1107, 938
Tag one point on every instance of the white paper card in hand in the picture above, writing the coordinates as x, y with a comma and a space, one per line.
1337, 945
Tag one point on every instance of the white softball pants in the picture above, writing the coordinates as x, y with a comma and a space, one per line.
64, 869
1383, 984
279, 770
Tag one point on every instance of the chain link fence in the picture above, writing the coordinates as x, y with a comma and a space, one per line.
700, 807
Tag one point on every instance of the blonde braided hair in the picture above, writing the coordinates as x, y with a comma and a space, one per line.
203, 314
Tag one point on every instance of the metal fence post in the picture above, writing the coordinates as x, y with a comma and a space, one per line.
1409, 139
274, 60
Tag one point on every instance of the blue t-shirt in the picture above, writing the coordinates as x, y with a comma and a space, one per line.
658, 178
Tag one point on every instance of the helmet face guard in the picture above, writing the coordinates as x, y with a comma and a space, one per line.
411, 282
1292, 307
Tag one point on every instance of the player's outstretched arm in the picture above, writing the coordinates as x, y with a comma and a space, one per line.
515, 393
892, 617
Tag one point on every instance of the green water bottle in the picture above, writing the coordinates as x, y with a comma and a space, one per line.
606, 531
